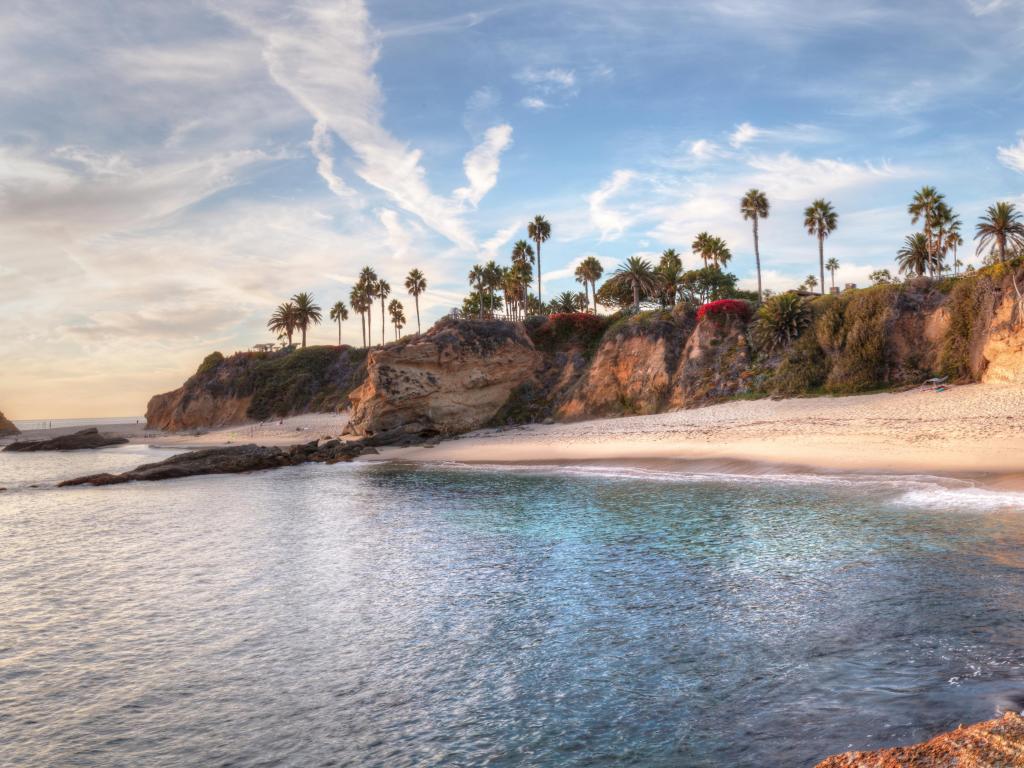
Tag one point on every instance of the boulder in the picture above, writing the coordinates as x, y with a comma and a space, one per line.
7, 427
998, 742
82, 440
452, 379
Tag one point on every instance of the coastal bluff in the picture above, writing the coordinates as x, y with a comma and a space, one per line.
7, 427
463, 374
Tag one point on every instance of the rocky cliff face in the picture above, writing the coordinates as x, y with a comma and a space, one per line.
257, 386
7, 427
452, 379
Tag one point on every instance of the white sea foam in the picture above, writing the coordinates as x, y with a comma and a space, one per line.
969, 499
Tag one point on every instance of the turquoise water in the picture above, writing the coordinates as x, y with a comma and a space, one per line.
386, 615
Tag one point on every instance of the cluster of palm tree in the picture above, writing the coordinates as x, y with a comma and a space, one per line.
296, 314
370, 287
925, 251
514, 281
587, 273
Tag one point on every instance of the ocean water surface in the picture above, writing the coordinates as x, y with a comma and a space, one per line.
395, 615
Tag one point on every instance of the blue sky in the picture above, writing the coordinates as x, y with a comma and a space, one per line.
170, 172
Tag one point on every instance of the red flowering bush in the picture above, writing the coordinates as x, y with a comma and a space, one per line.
738, 307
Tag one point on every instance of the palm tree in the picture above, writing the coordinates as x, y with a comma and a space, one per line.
360, 303
539, 231
383, 291
821, 220
306, 313
718, 252
415, 284
1002, 226
927, 207
284, 321
832, 265
397, 313
477, 279
368, 282
810, 283
565, 302
522, 252
493, 275
702, 246
592, 270
339, 312
914, 256
638, 274
754, 206
670, 275
580, 273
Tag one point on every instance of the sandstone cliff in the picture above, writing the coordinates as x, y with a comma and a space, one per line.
452, 379
7, 427
259, 386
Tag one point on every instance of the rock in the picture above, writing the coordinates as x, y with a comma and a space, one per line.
712, 364
998, 742
7, 427
82, 440
452, 379
549, 421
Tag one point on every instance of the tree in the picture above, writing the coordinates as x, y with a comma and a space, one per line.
809, 283
397, 313
522, 253
780, 320
493, 275
415, 284
638, 274
832, 265
368, 283
669, 274
539, 231
702, 246
580, 273
306, 313
360, 303
821, 220
881, 277
700, 286
754, 206
914, 257
476, 280
1000, 228
718, 252
567, 301
383, 291
926, 207
339, 312
284, 321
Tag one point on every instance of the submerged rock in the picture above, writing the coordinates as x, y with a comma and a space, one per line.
84, 439
998, 742
229, 460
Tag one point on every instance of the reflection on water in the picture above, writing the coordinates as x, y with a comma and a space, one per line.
394, 616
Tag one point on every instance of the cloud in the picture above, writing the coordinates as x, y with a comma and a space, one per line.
458, 23
531, 102
489, 248
610, 222
703, 149
550, 80
791, 178
1013, 156
399, 241
320, 146
743, 134
482, 164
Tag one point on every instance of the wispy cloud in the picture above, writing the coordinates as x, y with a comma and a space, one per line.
610, 222
482, 164
534, 103
1013, 156
320, 146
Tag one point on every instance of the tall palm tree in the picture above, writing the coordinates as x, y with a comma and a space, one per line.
1001, 227
493, 275
476, 279
670, 275
702, 246
368, 282
580, 273
914, 255
638, 274
926, 207
754, 206
284, 321
592, 270
415, 284
339, 312
539, 231
832, 265
357, 298
821, 220
522, 252
306, 312
383, 291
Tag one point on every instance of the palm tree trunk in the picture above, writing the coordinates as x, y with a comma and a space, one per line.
757, 262
821, 260
540, 299
636, 297
362, 322
369, 324
382, 326
339, 330
303, 336
417, 299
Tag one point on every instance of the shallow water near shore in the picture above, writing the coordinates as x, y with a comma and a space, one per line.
400, 615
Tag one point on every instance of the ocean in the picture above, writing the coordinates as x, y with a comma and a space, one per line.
400, 615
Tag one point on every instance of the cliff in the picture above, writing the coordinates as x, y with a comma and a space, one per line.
253, 386
998, 742
461, 375
452, 379
7, 427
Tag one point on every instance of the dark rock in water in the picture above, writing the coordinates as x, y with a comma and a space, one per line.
77, 441
229, 460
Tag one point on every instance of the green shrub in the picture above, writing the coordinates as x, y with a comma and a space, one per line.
779, 321
965, 307
210, 362
858, 344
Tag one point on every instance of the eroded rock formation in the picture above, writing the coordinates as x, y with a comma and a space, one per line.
7, 427
85, 439
994, 743
452, 379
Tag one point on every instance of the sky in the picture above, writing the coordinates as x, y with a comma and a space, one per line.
170, 172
